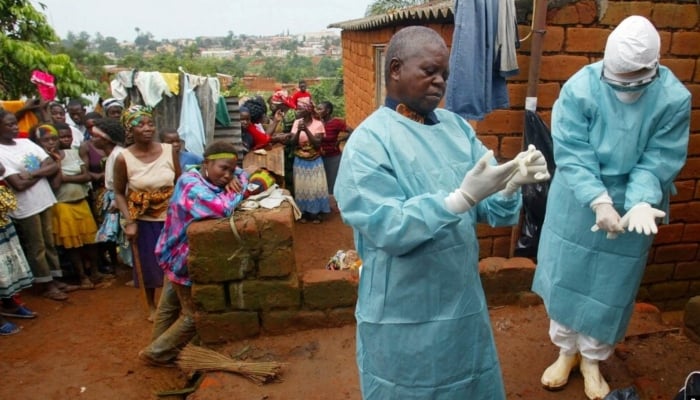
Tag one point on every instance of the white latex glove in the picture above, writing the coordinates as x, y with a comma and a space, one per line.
532, 168
607, 219
480, 182
642, 219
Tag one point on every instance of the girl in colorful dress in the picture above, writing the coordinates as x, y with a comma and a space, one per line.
15, 273
74, 227
212, 192
310, 186
144, 177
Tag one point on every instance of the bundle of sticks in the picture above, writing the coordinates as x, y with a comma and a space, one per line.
196, 358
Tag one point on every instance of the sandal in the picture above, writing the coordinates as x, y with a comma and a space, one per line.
19, 312
86, 284
66, 288
155, 363
8, 328
55, 294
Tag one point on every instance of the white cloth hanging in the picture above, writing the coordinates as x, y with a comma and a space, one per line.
191, 128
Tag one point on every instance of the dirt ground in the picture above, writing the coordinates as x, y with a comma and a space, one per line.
85, 348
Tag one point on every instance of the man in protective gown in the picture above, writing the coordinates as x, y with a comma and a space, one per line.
413, 181
620, 131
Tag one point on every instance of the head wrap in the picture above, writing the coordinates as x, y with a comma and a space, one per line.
112, 102
132, 115
45, 130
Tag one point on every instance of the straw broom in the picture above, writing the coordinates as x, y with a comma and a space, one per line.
201, 359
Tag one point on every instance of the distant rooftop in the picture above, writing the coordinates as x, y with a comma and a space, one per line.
435, 12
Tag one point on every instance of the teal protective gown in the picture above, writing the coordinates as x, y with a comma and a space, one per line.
423, 329
632, 151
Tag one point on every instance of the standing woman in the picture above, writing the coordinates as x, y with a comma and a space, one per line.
27, 166
329, 145
310, 187
144, 177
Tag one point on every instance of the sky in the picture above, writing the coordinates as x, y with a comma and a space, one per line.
175, 19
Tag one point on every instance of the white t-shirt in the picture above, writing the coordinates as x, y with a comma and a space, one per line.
26, 156
77, 137
109, 167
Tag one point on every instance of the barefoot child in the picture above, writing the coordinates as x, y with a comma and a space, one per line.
212, 192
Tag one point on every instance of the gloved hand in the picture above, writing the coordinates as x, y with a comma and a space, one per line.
480, 182
607, 219
532, 168
642, 218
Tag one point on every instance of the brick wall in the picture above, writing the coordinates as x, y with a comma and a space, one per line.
576, 35
247, 285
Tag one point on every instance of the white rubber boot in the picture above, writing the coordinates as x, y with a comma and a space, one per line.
556, 375
593, 382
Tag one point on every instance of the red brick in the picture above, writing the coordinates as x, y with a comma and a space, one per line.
501, 246
669, 234
695, 127
617, 11
501, 121
567, 15
676, 252
687, 270
209, 297
225, 327
483, 230
490, 141
561, 67
646, 308
265, 295
276, 260
523, 67
491, 265
553, 39
657, 273
586, 40
325, 289
665, 43
697, 71
678, 16
690, 211
518, 263
694, 139
587, 11
668, 290
694, 90
547, 94
683, 68
485, 247
686, 191
691, 233
685, 43
691, 169
510, 147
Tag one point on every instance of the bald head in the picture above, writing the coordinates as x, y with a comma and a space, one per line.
416, 70
408, 42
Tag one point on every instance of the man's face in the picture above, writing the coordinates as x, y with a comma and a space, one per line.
420, 80
77, 114
302, 86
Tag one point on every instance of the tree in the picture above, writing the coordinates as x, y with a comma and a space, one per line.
384, 6
25, 42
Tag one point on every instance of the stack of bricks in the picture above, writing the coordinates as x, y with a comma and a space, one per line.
246, 283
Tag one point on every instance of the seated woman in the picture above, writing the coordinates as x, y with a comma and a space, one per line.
211, 192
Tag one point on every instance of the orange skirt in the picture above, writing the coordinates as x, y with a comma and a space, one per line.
73, 224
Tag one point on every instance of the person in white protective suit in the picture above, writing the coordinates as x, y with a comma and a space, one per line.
620, 130
412, 183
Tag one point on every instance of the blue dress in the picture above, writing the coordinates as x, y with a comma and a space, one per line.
632, 151
423, 329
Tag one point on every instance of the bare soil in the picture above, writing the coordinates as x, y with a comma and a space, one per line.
85, 348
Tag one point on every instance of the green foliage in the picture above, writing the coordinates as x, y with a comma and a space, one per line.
331, 89
25, 43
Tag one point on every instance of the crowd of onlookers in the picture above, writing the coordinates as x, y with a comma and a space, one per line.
82, 193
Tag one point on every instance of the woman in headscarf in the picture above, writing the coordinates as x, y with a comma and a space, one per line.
310, 187
144, 177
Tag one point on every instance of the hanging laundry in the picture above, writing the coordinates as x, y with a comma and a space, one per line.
152, 87
475, 86
44, 84
191, 127
119, 86
507, 39
172, 79
222, 117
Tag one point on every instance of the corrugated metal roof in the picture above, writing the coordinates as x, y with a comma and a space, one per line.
430, 12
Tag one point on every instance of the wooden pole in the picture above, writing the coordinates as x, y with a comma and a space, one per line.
539, 10
139, 272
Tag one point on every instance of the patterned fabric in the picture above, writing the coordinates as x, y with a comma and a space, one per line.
110, 229
148, 203
15, 273
310, 187
8, 202
194, 199
410, 114
132, 115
